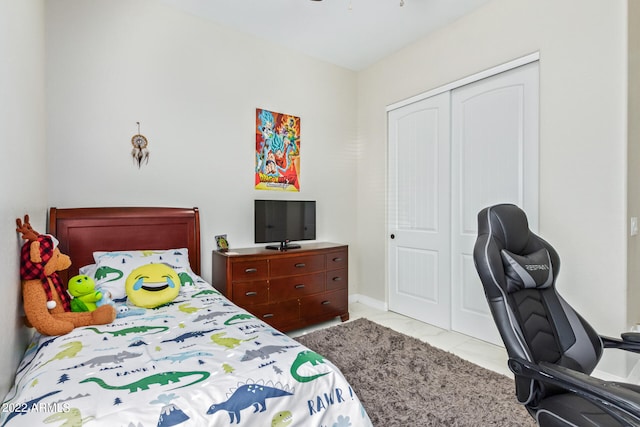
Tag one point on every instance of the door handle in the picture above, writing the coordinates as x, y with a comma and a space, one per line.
393, 236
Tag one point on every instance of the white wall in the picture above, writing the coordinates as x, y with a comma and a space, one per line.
194, 86
583, 146
22, 160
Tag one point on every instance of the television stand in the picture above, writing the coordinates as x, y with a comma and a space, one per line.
284, 246
287, 289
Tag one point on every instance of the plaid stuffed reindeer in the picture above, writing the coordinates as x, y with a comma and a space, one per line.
46, 302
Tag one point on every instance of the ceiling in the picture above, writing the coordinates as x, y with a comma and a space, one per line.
353, 34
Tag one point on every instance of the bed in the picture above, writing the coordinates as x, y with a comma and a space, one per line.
199, 360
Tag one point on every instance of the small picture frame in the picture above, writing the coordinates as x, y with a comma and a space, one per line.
222, 243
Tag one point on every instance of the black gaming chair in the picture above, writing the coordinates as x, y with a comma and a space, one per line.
552, 349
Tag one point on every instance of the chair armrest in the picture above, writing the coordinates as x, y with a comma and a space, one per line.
630, 342
606, 395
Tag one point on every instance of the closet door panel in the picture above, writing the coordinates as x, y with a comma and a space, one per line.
418, 209
494, 160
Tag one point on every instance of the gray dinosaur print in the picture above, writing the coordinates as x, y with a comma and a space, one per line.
210, 316
264, 352
108, 358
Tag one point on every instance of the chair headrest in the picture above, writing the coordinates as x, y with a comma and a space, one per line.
509, 225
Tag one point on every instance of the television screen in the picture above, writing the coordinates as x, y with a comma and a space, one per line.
282, 221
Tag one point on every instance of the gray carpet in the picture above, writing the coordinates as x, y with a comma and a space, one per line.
403, 381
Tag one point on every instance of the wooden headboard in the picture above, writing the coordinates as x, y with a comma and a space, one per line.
81, 231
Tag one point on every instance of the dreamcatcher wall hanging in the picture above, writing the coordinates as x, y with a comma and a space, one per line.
140, 153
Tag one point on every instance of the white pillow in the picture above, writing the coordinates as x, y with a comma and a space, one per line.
532, 271
112, 268
88, 270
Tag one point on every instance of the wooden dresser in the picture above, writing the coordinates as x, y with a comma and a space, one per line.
287, 289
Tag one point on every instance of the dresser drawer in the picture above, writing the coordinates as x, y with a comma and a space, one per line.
277, 314
338, 259
296, 286
337, 279
251, 293
297, 265
324, 305
250, 270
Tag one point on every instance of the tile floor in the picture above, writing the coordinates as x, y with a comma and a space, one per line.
479, 352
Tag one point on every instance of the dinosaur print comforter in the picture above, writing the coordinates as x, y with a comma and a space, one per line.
200, 361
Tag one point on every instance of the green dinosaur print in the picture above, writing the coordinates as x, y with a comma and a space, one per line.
71, 417
71, 350
227, 342
185, 279
103, 272
205, 292
302, 358
281, 419
163, 378
131, 330
149, 253
186, 308
239, 317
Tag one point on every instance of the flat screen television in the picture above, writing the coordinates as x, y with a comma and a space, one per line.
284, 221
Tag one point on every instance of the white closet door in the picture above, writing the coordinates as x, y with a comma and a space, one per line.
419, 210
494, 149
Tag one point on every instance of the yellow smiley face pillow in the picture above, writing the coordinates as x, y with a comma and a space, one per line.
152, 285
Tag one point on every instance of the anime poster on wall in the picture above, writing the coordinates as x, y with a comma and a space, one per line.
277, 151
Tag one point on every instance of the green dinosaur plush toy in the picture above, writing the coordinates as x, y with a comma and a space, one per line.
83, 290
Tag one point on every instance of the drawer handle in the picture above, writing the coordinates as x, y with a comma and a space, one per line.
300, 265
300, 286
251, 294
337, 259
266, 316
326, 302
337, 279
251, 270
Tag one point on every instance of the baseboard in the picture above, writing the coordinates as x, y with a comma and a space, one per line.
368, 301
